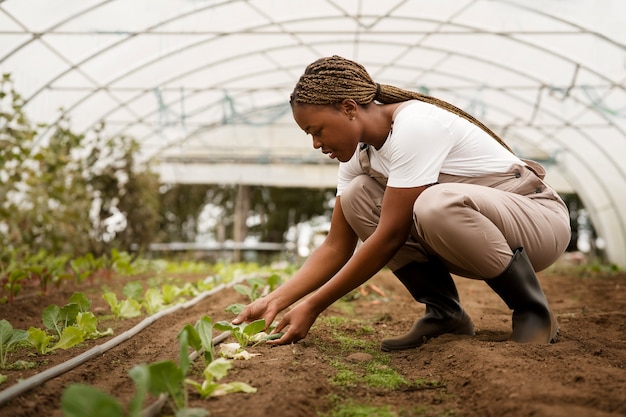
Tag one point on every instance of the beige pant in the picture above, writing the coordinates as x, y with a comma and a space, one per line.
472, 224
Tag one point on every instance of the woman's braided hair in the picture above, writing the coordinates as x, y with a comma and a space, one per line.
333, 79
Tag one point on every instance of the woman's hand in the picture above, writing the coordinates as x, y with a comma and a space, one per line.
299, 319
262, 308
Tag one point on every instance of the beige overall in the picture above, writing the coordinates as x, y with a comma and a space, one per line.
472, 223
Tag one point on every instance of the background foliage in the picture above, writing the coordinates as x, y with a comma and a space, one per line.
86, 193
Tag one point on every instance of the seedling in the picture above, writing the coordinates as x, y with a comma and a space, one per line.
73, 323
8, 337
199, 337
122, 309
255, 289
242, 332
215, 371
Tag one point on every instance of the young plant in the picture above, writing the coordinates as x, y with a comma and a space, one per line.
215, 371
9, 337
255, 289
241, 332
200, 338
122, 309
73, 323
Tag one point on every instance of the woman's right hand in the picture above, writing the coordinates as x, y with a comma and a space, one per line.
262, 308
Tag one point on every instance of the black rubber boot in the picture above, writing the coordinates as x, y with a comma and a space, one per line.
518, 286
430, 283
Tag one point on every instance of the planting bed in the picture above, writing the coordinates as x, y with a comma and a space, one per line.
339, 369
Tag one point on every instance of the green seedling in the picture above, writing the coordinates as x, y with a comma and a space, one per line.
73, 323
215, 371
199, 337
241, 332
58, 318
153, 301
122, 309
255, 289
9, 337
81, 300
133, 290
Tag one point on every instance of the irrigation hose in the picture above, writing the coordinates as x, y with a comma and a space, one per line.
61, 368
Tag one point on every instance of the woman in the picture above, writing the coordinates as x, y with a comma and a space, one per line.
430, 191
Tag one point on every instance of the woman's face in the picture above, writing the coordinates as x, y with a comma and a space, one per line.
333, 129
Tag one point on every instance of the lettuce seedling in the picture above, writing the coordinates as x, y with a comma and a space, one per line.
215, 371
58, 318
241, 332
122, 309
153, 301
9, 337
199, 337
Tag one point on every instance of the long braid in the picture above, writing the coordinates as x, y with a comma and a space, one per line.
333, 79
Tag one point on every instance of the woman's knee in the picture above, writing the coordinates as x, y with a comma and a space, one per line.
362, 194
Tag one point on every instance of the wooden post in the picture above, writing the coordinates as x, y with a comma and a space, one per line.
240, 227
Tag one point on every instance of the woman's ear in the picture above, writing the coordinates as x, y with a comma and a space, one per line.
349, 107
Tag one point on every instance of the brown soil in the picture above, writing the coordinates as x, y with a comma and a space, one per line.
584, 374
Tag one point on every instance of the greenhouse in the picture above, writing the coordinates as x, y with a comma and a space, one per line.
133, 130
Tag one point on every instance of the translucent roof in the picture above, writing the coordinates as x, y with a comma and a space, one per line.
203, 84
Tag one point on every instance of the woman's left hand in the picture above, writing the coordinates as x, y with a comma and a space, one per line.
299, 319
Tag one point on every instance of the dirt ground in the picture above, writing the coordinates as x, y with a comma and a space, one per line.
583, 374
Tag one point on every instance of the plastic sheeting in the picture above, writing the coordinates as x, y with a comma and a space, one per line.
177, 75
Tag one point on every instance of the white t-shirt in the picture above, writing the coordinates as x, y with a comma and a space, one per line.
426, 140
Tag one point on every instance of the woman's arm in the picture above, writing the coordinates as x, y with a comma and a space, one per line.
319, 267
391, 234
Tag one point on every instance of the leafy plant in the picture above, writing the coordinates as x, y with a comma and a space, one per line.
215, 371
199, 337
127, 308
72, 323
9, 337
242, 332
153, 301
255, 289
58, 318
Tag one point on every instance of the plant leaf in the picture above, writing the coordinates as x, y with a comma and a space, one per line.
133, 290
224, 326
129, 308
80, 400
141, 376
70, 337
204, 328
254, 327
166, 377
235, 308
111, 300
153, 301
217, 369
81, 301
68, 313
6, 331
51, 317
232, 387
88, 323
39, 339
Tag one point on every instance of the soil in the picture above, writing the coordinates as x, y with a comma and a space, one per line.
583, 374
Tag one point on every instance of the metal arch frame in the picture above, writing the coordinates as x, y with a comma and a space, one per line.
254, 28
551, 133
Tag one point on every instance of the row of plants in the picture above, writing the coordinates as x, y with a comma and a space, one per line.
21, 269
174, 379
71, 324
